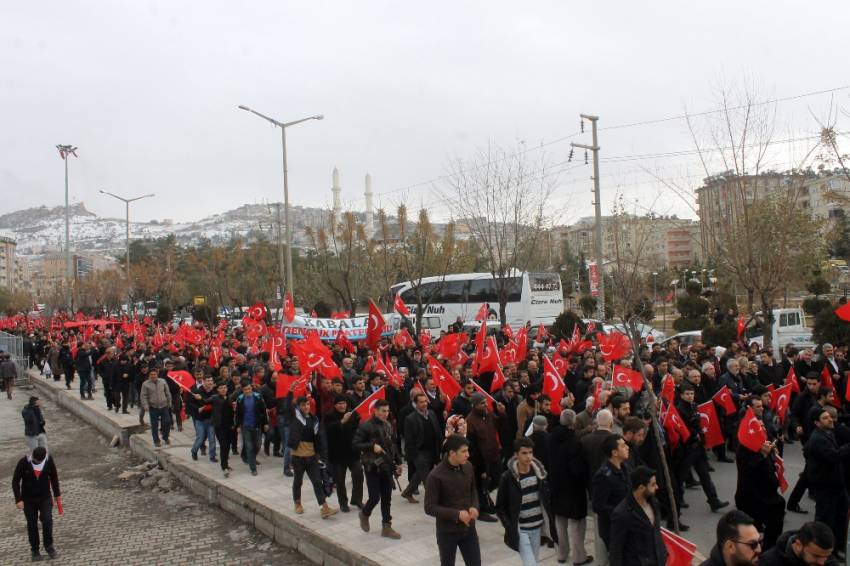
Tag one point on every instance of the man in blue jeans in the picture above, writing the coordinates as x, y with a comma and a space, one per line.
156, 401
251, 420
204, 429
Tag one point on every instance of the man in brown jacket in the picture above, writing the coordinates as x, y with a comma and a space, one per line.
451, 497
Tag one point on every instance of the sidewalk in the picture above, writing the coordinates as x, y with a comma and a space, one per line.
265, 501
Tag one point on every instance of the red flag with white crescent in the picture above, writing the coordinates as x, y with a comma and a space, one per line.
791, 378
779, 468
751, 433
498, 380
724, 398
182, 378
482, 312
364, 409
680, 552
399, 306
553, 385
288, 308
627, 377
712, 435
780, 401
374, 326
443, 380
258, 311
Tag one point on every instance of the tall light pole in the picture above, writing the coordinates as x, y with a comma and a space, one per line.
290, 284
127, 202
64, 152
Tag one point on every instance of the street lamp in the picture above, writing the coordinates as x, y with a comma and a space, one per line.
64, 152
127, 202
290, 285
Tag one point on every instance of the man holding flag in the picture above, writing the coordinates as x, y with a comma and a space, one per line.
636, 524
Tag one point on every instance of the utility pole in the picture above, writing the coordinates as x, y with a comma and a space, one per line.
597, 204
280, 258
64, 152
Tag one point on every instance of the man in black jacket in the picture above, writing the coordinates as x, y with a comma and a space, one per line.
251, 421
738, 541
34, 430
610, 484
568, 480
812, 544
222, 421
341, 426
34, 478
757, 493
422, 439
83, 364
825, 473
692, 453
636, 524
381, 463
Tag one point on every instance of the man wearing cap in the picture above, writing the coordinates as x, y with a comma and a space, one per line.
34, 478
422, 436
34, 424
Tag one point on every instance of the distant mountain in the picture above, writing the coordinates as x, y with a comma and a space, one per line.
41, 230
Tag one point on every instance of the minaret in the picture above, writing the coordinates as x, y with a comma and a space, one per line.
370, 215
337, 190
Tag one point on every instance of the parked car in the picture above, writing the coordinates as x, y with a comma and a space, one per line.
688, 339
648, 333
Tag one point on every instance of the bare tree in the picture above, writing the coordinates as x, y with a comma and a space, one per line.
501, 198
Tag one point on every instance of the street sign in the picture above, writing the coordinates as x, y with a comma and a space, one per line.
199, 300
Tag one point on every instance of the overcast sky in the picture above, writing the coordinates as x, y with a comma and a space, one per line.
148, 92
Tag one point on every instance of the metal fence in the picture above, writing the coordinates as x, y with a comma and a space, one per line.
15, 346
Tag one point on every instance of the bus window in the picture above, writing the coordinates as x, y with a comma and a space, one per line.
482, 291
452, 292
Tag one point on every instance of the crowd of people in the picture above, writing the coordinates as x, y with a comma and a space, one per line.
538, 443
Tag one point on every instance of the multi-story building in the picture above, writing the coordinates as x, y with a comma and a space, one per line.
7, 262
660, 241
723, 197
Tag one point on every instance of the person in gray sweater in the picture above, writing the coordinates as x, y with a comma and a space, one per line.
156, 401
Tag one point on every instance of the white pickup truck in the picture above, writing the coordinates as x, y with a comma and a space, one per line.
789, 327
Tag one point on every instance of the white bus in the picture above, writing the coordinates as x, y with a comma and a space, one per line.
537, 297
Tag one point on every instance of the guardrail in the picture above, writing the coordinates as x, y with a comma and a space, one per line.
15, 346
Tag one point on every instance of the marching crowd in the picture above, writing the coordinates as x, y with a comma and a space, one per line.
555, 430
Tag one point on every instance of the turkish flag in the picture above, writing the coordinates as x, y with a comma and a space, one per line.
340, 315
403, 339
826, 377
680, 552
780, 400
182, 378
276, 341
343, 342
215, 356
507, 354
424, 337
508, 331
258, 311
675, 426
561, 365
724, 398
843, 312
288, 308
668, 388
285, 381
751, 433
597, 402
741, 327
374, 326
626, 377
313, 355
712, 435
399, 306
480, 337
482, 312
779, 467
449, 345
521, 344
364, 409
444, 380
460, 359
553, 385
791, 378
613, 346
498, 380
488, 359
541, 333
393, 377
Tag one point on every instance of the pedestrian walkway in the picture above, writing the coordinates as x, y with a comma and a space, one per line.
265, 501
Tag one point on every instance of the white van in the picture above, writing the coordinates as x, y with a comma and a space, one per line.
789, 327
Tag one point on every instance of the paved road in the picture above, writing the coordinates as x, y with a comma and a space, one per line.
113, 521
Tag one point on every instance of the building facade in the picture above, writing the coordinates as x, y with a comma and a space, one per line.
8, 263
